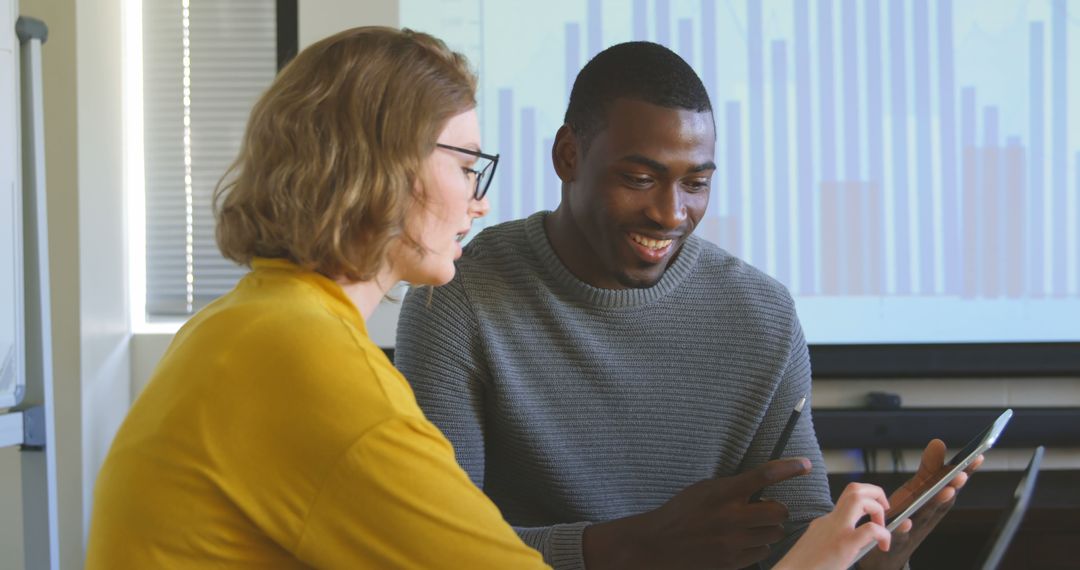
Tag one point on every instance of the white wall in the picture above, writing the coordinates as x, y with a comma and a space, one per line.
105, 369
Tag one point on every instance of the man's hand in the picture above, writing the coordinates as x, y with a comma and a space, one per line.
710, 524
908, 537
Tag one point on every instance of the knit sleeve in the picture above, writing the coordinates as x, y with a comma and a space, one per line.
438, 353
806, 497
560, 544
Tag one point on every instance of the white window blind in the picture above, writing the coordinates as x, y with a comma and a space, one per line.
205, 64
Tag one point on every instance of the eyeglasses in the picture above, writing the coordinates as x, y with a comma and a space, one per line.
484, 174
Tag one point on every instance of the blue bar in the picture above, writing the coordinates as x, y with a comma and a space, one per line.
686, 40
850, 83
969, 213
506, 196
663, 23
641, 30
734, 168
756, 70
1059, 121
992, 228
528, 191
806, 253
875, 142
949, 186
851, 275
780, 160
899, 116
573, 54
708, 48
828, 117
552, 184
1010, 220
830, 257
594, 20
925, 189
1036, 173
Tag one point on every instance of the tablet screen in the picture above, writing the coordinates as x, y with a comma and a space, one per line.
927, 488
902, 506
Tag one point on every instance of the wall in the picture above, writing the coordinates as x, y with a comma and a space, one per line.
105, 369
86, 248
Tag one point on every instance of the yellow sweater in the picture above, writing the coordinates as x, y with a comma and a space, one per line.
275, 434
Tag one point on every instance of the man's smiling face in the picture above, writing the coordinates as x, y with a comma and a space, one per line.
638, 192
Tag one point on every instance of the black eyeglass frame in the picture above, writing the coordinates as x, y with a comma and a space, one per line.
482, 174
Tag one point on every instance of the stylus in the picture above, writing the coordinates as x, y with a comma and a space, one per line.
781, 443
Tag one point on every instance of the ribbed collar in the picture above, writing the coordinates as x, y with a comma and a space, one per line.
333, 297
615, 298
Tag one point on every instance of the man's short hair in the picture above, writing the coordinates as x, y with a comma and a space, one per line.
643, 71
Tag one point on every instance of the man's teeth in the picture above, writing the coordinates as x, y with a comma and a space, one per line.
651, 243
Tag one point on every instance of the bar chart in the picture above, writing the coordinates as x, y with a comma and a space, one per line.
882, 155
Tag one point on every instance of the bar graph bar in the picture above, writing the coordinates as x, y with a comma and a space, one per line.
781, 191
804, 148
1037, 78
989, 218
663, 23
733, 167
506, 146
898, 125
573, 54
852, 206
875, 142
1016, 230
826, 146
527, 168
1059, 109
756, 70
950, 238
595, 20
855, 156
641, 30
686, 40
925, 232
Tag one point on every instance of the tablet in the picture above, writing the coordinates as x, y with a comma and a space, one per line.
903, 509
1013, 515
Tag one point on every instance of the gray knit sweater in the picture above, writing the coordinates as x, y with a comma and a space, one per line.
568, 404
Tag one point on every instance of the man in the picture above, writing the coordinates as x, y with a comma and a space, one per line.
614, 383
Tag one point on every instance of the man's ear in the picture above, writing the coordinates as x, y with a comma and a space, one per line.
564, 154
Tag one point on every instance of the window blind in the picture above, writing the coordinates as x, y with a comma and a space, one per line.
205, 64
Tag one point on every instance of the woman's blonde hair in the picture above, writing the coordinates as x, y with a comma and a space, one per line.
330, 160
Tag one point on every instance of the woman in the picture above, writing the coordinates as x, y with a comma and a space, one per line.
274, 433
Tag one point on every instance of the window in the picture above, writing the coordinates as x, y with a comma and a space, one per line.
205, 63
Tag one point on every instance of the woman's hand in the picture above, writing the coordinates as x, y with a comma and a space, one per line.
832, 541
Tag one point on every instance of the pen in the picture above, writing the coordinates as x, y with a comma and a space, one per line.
781, 443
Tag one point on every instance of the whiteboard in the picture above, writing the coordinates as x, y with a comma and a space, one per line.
12, 369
